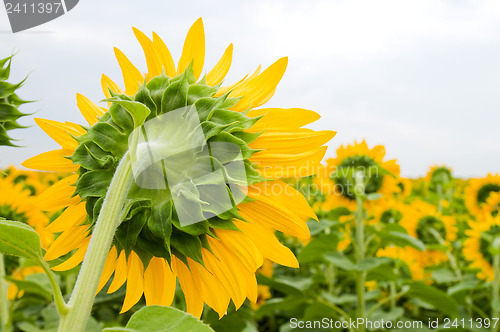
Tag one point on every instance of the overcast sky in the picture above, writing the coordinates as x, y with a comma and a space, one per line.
420, 77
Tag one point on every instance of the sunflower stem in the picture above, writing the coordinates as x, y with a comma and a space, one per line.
4, 299
82, 298
359, 190
61, 306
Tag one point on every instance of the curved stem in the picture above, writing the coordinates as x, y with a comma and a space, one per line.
4, 300
82, 298
387, 299
61, 306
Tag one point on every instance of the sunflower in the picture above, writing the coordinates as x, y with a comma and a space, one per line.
36, 182
478, 191
9, 103
336, 179
215, 259
435, 230
493, 203
387, 211
408, 255
17, 203
405, 187
479, 239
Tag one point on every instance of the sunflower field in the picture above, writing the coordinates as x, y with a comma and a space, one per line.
184, 204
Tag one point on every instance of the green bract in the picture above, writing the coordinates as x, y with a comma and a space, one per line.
150, 219
9, 103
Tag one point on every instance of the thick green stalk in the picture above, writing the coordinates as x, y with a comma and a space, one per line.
4, 300
82, 298
360, 244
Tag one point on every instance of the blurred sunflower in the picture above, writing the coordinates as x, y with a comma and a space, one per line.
438, 177
16, 203
387, 211
410, 256
478, 191
405, 188
36, 182
380, 176
215, 259
493, 203
479, 239
435, 230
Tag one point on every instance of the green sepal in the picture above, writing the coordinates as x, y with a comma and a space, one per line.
90, 156
175, 95
188, 245
93, 184
108, 138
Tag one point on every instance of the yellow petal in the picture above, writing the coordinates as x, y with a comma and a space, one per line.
291, 141
131, 75
154, 65
169, 286
107, 84
120, 273
194, 49
53, 161
73, 216
284, 195
76, 259
274, 216
154, 284
194, 302
67, 241
219, 71
242, 247
164, 56
59, 132
135, 279
281, 118
279, 165
264, 239
59, 195
212, 290
109, 268
256, 91
230, 269
90, 111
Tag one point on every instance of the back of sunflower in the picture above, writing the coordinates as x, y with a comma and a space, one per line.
178, 179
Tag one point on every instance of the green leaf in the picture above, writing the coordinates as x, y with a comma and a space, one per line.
464, 286
19, 239
162, 319
435, 297
371, 263
340, 260
286, 284
444, 276
321, 244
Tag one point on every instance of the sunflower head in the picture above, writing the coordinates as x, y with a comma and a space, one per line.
207, 166
438, 178
380, 176
9, 103
479, 190
481, 244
